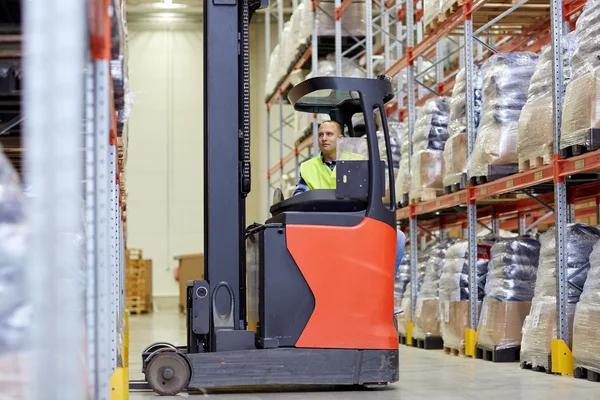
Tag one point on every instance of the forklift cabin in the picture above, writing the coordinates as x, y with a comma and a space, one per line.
318, 277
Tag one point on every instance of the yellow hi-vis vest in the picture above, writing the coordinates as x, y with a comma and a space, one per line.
317, 174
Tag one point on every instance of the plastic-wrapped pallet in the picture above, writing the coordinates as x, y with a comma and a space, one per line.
403, 178
431, 10
454, 293
15, 310
429, 138
506, 78
395, 129
581, 111
404, 314
539, 327
455, 150
275, 73
508, 292
427, 315
586, 325
401, 282
353, 19
535, 136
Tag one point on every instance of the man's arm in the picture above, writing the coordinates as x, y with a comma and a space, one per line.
301, 186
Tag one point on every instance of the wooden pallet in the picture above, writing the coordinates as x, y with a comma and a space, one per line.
534, 162
427, 195
135, 282
454, 352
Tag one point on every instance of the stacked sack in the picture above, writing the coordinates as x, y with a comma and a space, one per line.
454, 293
581, 111
586, 346
404, 313
455, 151
326, 67
539, 327
353, 19
427, 318
506, 78
429, 138
403, 178
535, 135
508, 292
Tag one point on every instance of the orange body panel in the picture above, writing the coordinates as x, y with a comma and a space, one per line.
350, 271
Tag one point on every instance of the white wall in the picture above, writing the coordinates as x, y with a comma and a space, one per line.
164, 169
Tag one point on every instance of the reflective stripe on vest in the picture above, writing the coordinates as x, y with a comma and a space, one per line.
317, 174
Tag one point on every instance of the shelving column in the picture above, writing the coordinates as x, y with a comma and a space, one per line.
268, 111
471, 331
410, 77
53, 105
315, 67
562, 360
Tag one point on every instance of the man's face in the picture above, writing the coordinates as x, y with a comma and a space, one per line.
328, 136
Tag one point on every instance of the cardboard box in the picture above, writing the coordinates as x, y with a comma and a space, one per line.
427, 318
191, 267
501, 322
454, 319
148, 288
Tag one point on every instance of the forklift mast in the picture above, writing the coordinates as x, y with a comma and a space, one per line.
226, 151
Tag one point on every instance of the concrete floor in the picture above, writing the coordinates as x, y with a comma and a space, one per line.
423, 374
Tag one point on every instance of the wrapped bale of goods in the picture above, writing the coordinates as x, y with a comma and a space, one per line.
508, 292
455, 151
396, 130
429, 138
581, 110
431, 10
535, 133
15, 309
506, 78
404, 313
402, 280
539, 327
427, 309
353, 19
454, 293
402, 184
586, 325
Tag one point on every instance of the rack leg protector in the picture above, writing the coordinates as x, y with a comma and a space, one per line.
119, 384
409, 330
470, 342
562, 358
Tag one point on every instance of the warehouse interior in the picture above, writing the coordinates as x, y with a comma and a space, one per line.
176, 224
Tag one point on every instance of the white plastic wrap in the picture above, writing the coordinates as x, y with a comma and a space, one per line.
404, 312
508, 291
426, 175
431, 10
581, 110
539, 327
535, 136
15, 310
506, 78
455, 149
427, 310
353, 19
586, 346
431, 125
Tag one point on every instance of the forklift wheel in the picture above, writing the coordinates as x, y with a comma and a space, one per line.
168, 373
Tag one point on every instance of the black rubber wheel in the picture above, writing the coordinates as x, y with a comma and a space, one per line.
168, 373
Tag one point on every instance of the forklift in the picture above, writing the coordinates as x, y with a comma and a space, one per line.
307, 297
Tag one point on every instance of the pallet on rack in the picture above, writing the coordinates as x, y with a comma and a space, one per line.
526, 164
585, 373
509, 354
404, 201
426, 195
402, 339
135, 282
495, 172
592, 143
429, 343
457, 186
326, 45
538, 368
454, 352
432, 25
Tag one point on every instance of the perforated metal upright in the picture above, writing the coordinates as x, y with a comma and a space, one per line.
54, 49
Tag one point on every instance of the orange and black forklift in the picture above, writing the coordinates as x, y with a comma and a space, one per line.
306, 297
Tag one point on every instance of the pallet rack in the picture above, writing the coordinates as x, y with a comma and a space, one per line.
549, 192
75, 71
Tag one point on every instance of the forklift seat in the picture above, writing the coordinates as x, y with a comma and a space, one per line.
318, 200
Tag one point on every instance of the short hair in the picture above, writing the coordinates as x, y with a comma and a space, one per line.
337, 124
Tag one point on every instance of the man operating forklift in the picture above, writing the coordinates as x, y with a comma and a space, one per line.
319, 172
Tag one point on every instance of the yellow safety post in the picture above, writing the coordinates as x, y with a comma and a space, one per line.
562, 358
470, 342
409, 329
119, 381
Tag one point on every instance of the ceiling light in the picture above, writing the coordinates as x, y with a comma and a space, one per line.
168, 2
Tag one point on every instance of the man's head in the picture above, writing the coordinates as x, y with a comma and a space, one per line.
329, 132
